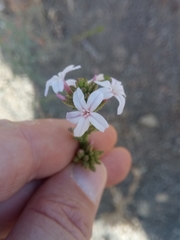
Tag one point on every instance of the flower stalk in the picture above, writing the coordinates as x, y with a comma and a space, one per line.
86, 155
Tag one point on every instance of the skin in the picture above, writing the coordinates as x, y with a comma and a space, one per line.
40, 196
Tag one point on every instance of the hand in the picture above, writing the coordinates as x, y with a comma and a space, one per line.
42, 194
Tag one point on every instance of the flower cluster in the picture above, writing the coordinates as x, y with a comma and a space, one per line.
86, 99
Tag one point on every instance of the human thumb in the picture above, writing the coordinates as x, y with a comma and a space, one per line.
64, 207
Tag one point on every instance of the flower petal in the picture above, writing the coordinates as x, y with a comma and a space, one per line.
69, 69
106, 84
71, 82
66, 70
78, 99
48, 84
98, 121
94, 100
82, 126
115, 82
107, 93
122, 101
100, 77
120, 91
57, 84
73, 117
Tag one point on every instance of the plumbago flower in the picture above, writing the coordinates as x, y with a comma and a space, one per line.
98, 77
85, 114
58, 82
85, 98
113, 88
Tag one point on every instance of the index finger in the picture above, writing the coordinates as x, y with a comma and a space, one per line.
38, 149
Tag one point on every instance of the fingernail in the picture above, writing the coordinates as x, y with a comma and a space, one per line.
92, 183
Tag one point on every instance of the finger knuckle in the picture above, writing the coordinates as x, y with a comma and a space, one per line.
68, 214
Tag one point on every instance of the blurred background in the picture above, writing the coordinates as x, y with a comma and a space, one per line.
136, 42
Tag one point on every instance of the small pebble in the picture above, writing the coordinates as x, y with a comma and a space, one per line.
149, 120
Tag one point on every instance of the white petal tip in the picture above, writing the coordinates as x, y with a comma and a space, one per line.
45, 93
75, 135
119, 112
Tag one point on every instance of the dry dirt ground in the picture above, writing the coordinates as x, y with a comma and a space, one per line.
137, 42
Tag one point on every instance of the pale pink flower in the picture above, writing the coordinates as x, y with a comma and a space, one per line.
57, 82
113, 88
85, 114
98, 77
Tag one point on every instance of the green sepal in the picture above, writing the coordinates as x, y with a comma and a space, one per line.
106, 77
101, 105
69, 104
82, 83
86, 156
92, 87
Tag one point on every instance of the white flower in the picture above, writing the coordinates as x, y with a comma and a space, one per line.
99, 77
85, 115
115, 89
57, 82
